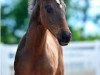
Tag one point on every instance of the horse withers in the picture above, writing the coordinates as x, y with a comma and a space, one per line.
39, 52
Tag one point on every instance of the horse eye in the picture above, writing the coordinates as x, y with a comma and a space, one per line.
48, 8
57, 4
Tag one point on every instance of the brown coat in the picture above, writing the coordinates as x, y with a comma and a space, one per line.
40, 52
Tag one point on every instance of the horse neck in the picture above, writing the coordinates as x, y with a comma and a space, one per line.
35, 38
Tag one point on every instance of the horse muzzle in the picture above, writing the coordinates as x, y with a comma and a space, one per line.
64, 38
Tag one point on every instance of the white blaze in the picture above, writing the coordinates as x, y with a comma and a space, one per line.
58, 1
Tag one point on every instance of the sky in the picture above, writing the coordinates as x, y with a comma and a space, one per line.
91, 27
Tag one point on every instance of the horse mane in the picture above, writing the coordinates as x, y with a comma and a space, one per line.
31, 4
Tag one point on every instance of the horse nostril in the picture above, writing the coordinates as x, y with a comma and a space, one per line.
64, 38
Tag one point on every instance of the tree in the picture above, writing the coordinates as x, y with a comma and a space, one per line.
13, 22
77, 13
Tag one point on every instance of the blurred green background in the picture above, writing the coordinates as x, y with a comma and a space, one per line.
83, 17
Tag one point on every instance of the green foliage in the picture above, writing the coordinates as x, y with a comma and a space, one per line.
6, 36
77, 35
20, 14
73, 9
13, 21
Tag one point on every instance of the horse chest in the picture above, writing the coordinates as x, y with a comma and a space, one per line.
52, 50
52, 55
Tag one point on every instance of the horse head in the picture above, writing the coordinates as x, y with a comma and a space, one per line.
51, 15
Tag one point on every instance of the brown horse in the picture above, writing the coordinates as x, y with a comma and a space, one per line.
40, 52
